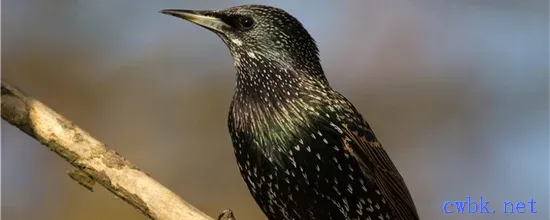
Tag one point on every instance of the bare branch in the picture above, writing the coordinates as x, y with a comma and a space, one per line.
96, 162
82, 178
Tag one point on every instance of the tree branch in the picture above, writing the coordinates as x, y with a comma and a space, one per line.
95, 162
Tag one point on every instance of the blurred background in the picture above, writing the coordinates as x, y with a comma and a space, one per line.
457, 91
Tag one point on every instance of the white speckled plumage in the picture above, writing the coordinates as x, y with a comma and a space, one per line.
303, 149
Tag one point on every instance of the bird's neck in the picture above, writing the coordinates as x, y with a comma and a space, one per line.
275, 101
270, 81
270, 93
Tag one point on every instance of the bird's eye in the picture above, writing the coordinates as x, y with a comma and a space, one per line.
246, 22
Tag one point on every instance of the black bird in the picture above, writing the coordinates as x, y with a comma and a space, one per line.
302, 148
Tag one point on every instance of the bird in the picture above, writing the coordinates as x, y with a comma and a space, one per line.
302, 148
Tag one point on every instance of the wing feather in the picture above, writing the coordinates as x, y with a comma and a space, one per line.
365, 147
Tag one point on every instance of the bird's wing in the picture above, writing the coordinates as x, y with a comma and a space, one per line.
364, 146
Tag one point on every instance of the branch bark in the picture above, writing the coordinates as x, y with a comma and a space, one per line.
95, 162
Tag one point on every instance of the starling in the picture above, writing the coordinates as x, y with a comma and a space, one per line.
302, 148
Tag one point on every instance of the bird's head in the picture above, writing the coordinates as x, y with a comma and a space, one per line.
258, 32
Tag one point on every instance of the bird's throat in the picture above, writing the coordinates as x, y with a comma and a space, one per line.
275, 102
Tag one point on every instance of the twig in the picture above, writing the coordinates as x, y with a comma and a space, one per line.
95, 161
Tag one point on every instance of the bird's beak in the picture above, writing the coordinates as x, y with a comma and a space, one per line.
205, 19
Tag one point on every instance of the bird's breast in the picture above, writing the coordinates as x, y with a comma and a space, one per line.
292, 174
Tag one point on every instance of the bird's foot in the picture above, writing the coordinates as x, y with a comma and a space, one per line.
228, 214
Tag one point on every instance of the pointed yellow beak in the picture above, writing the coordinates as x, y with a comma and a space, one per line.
205, 19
